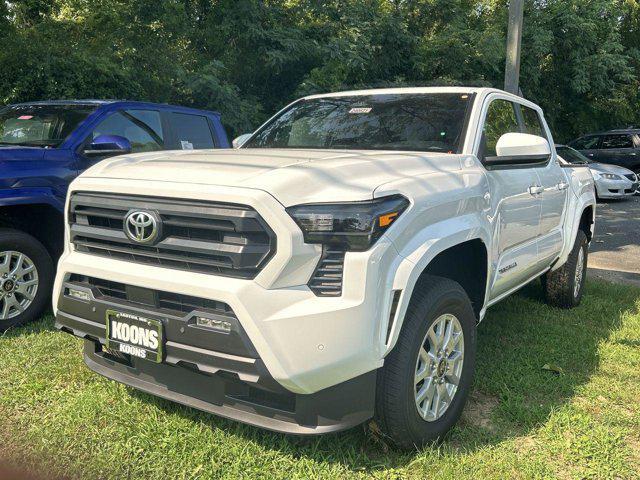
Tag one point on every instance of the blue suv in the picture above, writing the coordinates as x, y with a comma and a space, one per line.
43, 147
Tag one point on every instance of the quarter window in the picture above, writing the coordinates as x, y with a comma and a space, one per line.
142, 128
191, 131
617, 141
531, 122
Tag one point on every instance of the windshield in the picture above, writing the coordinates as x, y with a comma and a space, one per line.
40, 125
572, 156
433, 122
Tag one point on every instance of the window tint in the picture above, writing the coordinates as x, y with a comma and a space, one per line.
617, 141
141, 127
40, 125
191, 131
532, 123
586, 143
406, 122
501, 119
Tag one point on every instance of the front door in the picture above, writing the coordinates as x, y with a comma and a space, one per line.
515, 205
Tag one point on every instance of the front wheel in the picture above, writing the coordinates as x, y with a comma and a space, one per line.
564, 287
426, 378
26, 276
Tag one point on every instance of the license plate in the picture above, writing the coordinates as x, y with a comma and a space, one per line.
134, 335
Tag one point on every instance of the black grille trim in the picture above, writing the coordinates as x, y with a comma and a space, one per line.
327, 279
206, 237
174, 304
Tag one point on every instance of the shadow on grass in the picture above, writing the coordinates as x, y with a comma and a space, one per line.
515, 394
45, 324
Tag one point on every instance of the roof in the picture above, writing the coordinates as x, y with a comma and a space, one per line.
112, 102
408, 90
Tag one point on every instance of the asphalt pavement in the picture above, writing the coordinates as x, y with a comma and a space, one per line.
615, 252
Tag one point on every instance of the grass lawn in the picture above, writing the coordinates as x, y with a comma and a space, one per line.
522, 421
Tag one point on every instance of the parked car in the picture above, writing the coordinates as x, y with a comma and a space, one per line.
333, 268
43, 147
611, 181
615, 147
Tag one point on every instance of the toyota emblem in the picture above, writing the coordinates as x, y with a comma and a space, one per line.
142, 227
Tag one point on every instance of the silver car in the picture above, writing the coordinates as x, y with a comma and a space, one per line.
612, 181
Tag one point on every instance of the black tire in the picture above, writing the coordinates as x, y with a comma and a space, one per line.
560, 285
396, 411
14, 240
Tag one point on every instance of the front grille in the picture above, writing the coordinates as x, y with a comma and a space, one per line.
167, 302
216, 238
327, 279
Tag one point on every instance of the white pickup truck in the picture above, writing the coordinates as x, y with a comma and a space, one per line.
332, 269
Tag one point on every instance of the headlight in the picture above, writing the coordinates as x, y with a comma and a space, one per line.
610, 176
352, 226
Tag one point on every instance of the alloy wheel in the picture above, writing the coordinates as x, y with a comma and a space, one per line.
439, 367
18, 283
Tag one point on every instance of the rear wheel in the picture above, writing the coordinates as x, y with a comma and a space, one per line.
564, 287
26, 277
425, 381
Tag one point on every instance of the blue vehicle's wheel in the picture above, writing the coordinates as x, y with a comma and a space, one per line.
26, 276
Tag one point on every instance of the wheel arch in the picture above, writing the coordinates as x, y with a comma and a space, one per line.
40, 220
463, 257
580, 215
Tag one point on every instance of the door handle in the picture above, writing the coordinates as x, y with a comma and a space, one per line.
536, 189
562, 186
590, 154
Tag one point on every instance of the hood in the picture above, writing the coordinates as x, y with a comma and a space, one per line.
290, 175
606, 168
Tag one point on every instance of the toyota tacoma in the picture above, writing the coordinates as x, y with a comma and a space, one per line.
334, 267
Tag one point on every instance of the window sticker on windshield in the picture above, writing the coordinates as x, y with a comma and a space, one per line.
360, 110
186, 145
25, 117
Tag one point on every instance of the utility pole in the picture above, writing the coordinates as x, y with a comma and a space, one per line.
514, 38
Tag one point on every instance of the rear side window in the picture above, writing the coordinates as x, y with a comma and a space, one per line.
141, 127
191, 131
531, 122
586, 143
617, 141
501, 119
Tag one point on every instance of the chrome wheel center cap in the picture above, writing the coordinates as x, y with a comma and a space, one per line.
442, 368
8, 286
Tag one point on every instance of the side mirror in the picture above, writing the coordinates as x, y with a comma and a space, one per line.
239, 141
520, 149
108, 145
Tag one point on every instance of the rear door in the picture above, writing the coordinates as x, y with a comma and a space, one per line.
190, 131
553, 198
619, 149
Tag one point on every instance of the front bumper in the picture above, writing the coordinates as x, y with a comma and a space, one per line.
215, 372
615, 188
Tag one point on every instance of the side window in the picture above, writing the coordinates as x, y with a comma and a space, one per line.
617, 141
531, 122
586, 143
143, 128
501, 119
191, 131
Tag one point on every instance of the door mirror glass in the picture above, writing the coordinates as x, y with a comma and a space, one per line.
108, 145
520, 149
239, 141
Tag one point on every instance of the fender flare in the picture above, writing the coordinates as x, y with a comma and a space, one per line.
31, 196
413, 261
580, 204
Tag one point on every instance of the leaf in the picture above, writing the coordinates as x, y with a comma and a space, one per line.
550, 367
